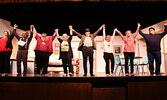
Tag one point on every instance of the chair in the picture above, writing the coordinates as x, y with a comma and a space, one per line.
144, 62
135, 63
118, 63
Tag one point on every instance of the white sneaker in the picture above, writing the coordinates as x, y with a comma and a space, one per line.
64, 74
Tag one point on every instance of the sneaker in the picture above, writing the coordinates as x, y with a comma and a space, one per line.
107, 74
64, 74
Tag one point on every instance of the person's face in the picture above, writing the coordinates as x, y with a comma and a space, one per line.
152, 31
65, 38
128, 33
87, 33
108, 38
5, 34
24, 34
43, 35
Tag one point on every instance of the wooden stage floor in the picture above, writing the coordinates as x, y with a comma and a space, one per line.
58, 77
101, 87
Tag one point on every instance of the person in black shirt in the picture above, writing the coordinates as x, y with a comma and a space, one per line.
153, 41
66, 53
23, 45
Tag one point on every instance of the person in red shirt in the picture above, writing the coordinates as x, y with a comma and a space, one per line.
43, 50
5, 53
129, 51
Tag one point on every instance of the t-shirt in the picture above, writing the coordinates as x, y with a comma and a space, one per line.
3, 42
108, 47
44, 45
88, 41
64, 46
153, 41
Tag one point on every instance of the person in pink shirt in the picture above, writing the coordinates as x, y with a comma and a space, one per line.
129, 50
43, 50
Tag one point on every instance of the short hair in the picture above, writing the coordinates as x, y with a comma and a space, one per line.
6, 32
151, 28
44, 33
87, 30
64, 34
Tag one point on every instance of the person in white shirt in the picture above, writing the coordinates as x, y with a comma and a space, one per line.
108, 51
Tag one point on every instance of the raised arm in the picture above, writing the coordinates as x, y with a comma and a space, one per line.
140, 32
31, 33
112, 38
137, 30
165, 30
77, 33
14, 31
95, 33
120, 34
34, 32
55, 33
71, 34
104, 33
58, 36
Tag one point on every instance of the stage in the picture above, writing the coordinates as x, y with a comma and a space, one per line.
101, 87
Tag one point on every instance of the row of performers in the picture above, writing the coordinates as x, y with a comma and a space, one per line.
87, 44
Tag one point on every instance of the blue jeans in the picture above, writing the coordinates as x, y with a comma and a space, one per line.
154, 55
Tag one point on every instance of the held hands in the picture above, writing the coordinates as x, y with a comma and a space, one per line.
138, 25
103, 26
116, 30
15, 26
56, 32
70, 27
31, 27
165, 22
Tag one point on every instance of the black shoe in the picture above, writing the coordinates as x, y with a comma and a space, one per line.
19, 74
24, 74
159, 74
85, 74
6, 74
92, 75
71, 74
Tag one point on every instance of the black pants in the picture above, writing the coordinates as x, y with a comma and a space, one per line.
129, 55
87, 52
154, 55
5, 61
67, 62
42, 60
109, 57
22, 55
